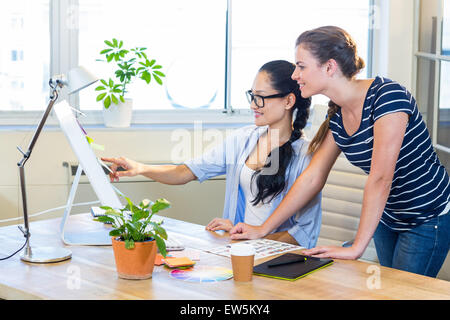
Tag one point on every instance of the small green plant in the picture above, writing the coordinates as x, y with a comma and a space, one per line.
131, 64
134, 223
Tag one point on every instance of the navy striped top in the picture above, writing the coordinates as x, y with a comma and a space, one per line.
420, 187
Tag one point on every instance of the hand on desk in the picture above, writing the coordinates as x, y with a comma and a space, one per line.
132, 168
244, 231
219, 224
333, 252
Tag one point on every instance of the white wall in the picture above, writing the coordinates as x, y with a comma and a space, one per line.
48, 181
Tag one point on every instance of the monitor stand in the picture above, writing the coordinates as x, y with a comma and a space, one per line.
98, 237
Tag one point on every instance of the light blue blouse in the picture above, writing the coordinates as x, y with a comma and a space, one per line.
229, 157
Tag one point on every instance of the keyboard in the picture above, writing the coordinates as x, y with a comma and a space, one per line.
173, 244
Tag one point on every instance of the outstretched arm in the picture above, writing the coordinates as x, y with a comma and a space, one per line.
304, 189
389, 131
167, 174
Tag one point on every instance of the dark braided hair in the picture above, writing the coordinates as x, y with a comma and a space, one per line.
271, 185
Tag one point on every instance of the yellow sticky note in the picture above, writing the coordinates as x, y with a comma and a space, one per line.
159, 259
94, 145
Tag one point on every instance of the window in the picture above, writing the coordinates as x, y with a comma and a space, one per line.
264, 30
189, 44
192, 40
433, 72
24, 54
446, 30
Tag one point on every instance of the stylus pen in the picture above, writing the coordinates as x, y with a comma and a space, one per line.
302, 259
104, 165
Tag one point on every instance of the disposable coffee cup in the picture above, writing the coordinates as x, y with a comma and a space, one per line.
242, 259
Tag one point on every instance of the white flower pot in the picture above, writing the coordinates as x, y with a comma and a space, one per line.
118, 115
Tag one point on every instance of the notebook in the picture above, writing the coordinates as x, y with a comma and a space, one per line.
291, 271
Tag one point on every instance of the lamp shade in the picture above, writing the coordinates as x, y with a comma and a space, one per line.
79, 78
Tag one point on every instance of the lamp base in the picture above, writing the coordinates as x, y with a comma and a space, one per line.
45, 254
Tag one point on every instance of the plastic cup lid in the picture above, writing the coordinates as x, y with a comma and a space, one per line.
242, 249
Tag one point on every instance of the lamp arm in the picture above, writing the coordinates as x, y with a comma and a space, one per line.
81, 78
26, 156
41, 124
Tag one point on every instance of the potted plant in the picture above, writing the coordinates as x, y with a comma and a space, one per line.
135, 237
131, 65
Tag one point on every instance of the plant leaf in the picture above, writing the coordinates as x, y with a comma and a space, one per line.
115, 233
104, 219
129, 244
101, 96
159, 73
159, 230
122, 99
157, 67
139, 214
106, 51
100, 88
109, 57
104, 82
159, 205
146, 76
114, 99
109, 43
130, 205
107, 102
158, 79
161, 245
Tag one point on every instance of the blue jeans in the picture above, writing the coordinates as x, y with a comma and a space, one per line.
421, 250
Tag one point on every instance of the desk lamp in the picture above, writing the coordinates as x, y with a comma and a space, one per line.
76, 80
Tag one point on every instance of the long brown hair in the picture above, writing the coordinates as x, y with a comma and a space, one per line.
327, 43
333, 108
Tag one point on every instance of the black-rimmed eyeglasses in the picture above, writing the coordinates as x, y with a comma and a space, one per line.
259, 100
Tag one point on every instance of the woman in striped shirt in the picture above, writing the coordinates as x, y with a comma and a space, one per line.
377, 125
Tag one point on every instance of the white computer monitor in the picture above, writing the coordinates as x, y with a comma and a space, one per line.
88, 161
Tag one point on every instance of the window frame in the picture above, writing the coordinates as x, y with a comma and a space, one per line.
64, 56
437, 58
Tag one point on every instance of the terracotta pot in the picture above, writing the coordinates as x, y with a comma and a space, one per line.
136, 263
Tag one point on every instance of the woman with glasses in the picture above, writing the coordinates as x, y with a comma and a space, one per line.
377, 125
261, 161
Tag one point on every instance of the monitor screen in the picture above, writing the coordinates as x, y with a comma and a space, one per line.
86, 157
